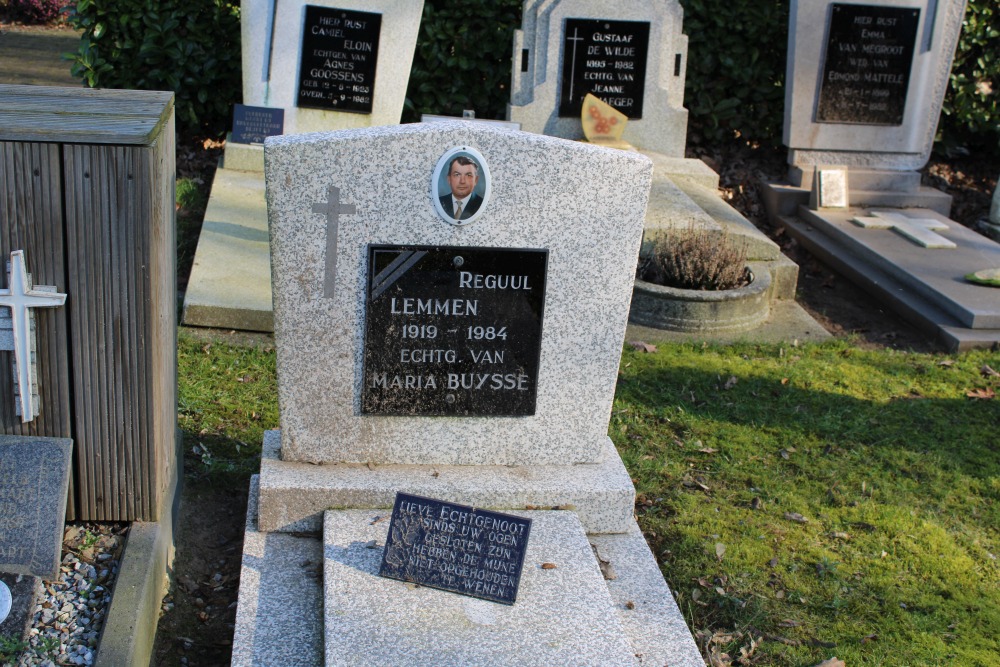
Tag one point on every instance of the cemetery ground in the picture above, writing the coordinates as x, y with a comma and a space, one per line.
804, 501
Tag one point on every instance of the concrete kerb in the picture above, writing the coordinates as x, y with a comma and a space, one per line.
130, 627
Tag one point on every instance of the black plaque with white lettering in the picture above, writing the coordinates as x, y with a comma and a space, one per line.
339, 55
866, 72
251, 125
453, 331
456, 548
608, 59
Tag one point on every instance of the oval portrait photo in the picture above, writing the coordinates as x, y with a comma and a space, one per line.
460, 186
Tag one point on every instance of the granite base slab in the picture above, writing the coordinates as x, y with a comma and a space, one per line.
230, 283
294, 495
279, 616
562, 616
279, 619
23, 590
908, 286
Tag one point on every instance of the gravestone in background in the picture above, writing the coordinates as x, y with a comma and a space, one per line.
326, 65
864, 87
632, 55
330, 64
468, 361
865, 83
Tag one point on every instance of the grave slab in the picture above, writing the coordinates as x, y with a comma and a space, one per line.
279, 619
319, 268
34, 479
925, 286
294, 495
230, 282
563, 616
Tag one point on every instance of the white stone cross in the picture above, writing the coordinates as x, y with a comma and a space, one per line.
20, 297
333, 209
917, 230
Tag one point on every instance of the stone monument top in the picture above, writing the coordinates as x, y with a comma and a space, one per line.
865, 81
632, 55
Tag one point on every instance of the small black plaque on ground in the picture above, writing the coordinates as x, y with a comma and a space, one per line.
251, 125
34, 478
453, 331
456, 548
866, 72
339, 58
608, 59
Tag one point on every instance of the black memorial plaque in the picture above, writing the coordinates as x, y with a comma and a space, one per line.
251, 125
339, 55
453, 331
866, 72
608, 59
455, 548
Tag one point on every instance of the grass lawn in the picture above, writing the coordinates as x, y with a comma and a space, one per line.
829, 500
803, 502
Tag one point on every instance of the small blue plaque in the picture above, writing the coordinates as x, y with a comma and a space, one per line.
251, 125
456, 548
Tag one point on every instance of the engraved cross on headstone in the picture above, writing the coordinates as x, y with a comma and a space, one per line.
917, 230
20, 297
333, 209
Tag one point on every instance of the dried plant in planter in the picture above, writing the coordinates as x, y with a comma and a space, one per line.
695, 260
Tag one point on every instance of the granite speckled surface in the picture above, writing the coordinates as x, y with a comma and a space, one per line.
535, 92
583, 203
294, 495
279, 619
562, 616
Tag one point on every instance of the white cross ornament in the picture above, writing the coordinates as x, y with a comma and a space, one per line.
918, 230
20, 297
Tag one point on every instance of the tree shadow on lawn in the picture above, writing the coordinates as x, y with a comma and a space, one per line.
900, 408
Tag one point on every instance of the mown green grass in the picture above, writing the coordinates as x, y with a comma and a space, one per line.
895, 470
227, 397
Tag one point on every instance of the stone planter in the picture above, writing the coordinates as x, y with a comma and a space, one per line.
699, 311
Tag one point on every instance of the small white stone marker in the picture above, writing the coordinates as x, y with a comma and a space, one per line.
830, 188
918, 230
20, 297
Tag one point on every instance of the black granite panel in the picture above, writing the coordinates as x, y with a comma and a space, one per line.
453, 330
456, 548
608, 59
866, 72
339, 59
20, 615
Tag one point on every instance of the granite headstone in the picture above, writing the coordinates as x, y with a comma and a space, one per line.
34, 479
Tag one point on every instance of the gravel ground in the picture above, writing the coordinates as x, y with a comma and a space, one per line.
69, 612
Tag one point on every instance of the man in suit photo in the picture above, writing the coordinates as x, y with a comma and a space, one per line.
463, 176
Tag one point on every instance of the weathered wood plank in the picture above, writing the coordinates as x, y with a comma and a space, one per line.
82, 115
31, 220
